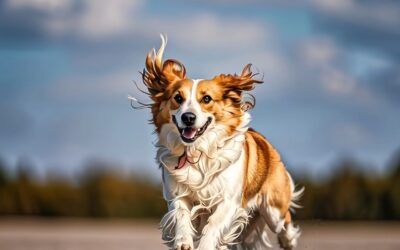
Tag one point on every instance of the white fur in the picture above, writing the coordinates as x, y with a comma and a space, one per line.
191, 104
288, 237
296, 194
273, 218
256, 237
204, 197
212, 186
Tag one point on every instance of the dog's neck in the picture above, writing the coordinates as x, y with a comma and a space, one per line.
210, 154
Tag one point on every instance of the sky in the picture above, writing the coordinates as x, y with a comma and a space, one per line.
331, 76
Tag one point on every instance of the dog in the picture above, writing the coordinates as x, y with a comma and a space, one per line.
223, 182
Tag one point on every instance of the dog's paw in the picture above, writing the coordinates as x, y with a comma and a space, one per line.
184, 243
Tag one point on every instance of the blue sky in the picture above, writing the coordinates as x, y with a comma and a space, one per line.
331, 71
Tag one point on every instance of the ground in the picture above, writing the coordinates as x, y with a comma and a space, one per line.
68, 234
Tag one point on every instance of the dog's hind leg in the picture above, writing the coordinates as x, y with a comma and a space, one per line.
282, 226
289, 234
277, 200
255, 236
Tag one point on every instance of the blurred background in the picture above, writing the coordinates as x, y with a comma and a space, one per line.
71, 145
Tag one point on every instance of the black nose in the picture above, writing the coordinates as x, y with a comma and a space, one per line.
188, 118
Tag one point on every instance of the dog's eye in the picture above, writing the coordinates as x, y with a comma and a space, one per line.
207, 99
178, 98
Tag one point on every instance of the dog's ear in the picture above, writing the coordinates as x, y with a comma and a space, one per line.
157, 75
246, 79
173, 70
238, 83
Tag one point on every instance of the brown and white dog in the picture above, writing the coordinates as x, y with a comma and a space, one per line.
224, 182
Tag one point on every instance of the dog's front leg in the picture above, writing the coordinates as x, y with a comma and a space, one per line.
227, 216
176, 225
183, 225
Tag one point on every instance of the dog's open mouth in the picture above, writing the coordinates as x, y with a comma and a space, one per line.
190, 134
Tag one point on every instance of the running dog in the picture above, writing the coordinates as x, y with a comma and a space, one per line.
223, 181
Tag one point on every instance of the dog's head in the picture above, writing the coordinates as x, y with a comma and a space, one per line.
194, 107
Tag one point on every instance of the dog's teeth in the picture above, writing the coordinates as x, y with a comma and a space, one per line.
199, 130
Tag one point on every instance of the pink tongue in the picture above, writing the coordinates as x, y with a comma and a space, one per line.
189, 132
181, 161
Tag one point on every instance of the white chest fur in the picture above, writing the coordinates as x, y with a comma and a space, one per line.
214, 173
211, 182
211, 155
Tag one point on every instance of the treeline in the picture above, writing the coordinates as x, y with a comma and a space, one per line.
99, 191
348, 194
352, 194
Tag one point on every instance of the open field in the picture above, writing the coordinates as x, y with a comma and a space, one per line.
67, 234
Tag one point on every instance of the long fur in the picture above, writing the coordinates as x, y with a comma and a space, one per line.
218, 152
234, 188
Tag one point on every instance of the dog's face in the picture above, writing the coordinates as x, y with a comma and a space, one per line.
190, 108
194, 107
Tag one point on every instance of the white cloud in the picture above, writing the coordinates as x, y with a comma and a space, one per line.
318, 50
50, 6
89, 19
336, 81
365, 63
349, 135
373, 14
102, 88
92, 19
321, 56
107, 18
332, 5
209, 31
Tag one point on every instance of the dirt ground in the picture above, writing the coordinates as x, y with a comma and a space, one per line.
67, 234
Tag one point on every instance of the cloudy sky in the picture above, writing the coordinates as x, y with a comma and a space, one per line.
331, 71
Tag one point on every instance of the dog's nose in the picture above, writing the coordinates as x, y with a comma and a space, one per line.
188, 118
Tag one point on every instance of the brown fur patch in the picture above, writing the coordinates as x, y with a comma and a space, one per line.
162, 79
258, 165
225, 110
266, 174
166, 102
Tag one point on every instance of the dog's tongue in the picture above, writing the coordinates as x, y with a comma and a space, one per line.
181, 161
189, 132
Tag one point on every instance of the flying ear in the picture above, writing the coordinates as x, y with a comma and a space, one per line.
248, 102
157, 75
246, 79
238, 83
173, 70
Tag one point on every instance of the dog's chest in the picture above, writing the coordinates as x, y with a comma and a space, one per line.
211, 187
213, 172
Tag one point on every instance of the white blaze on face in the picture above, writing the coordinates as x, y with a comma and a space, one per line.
191, 105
